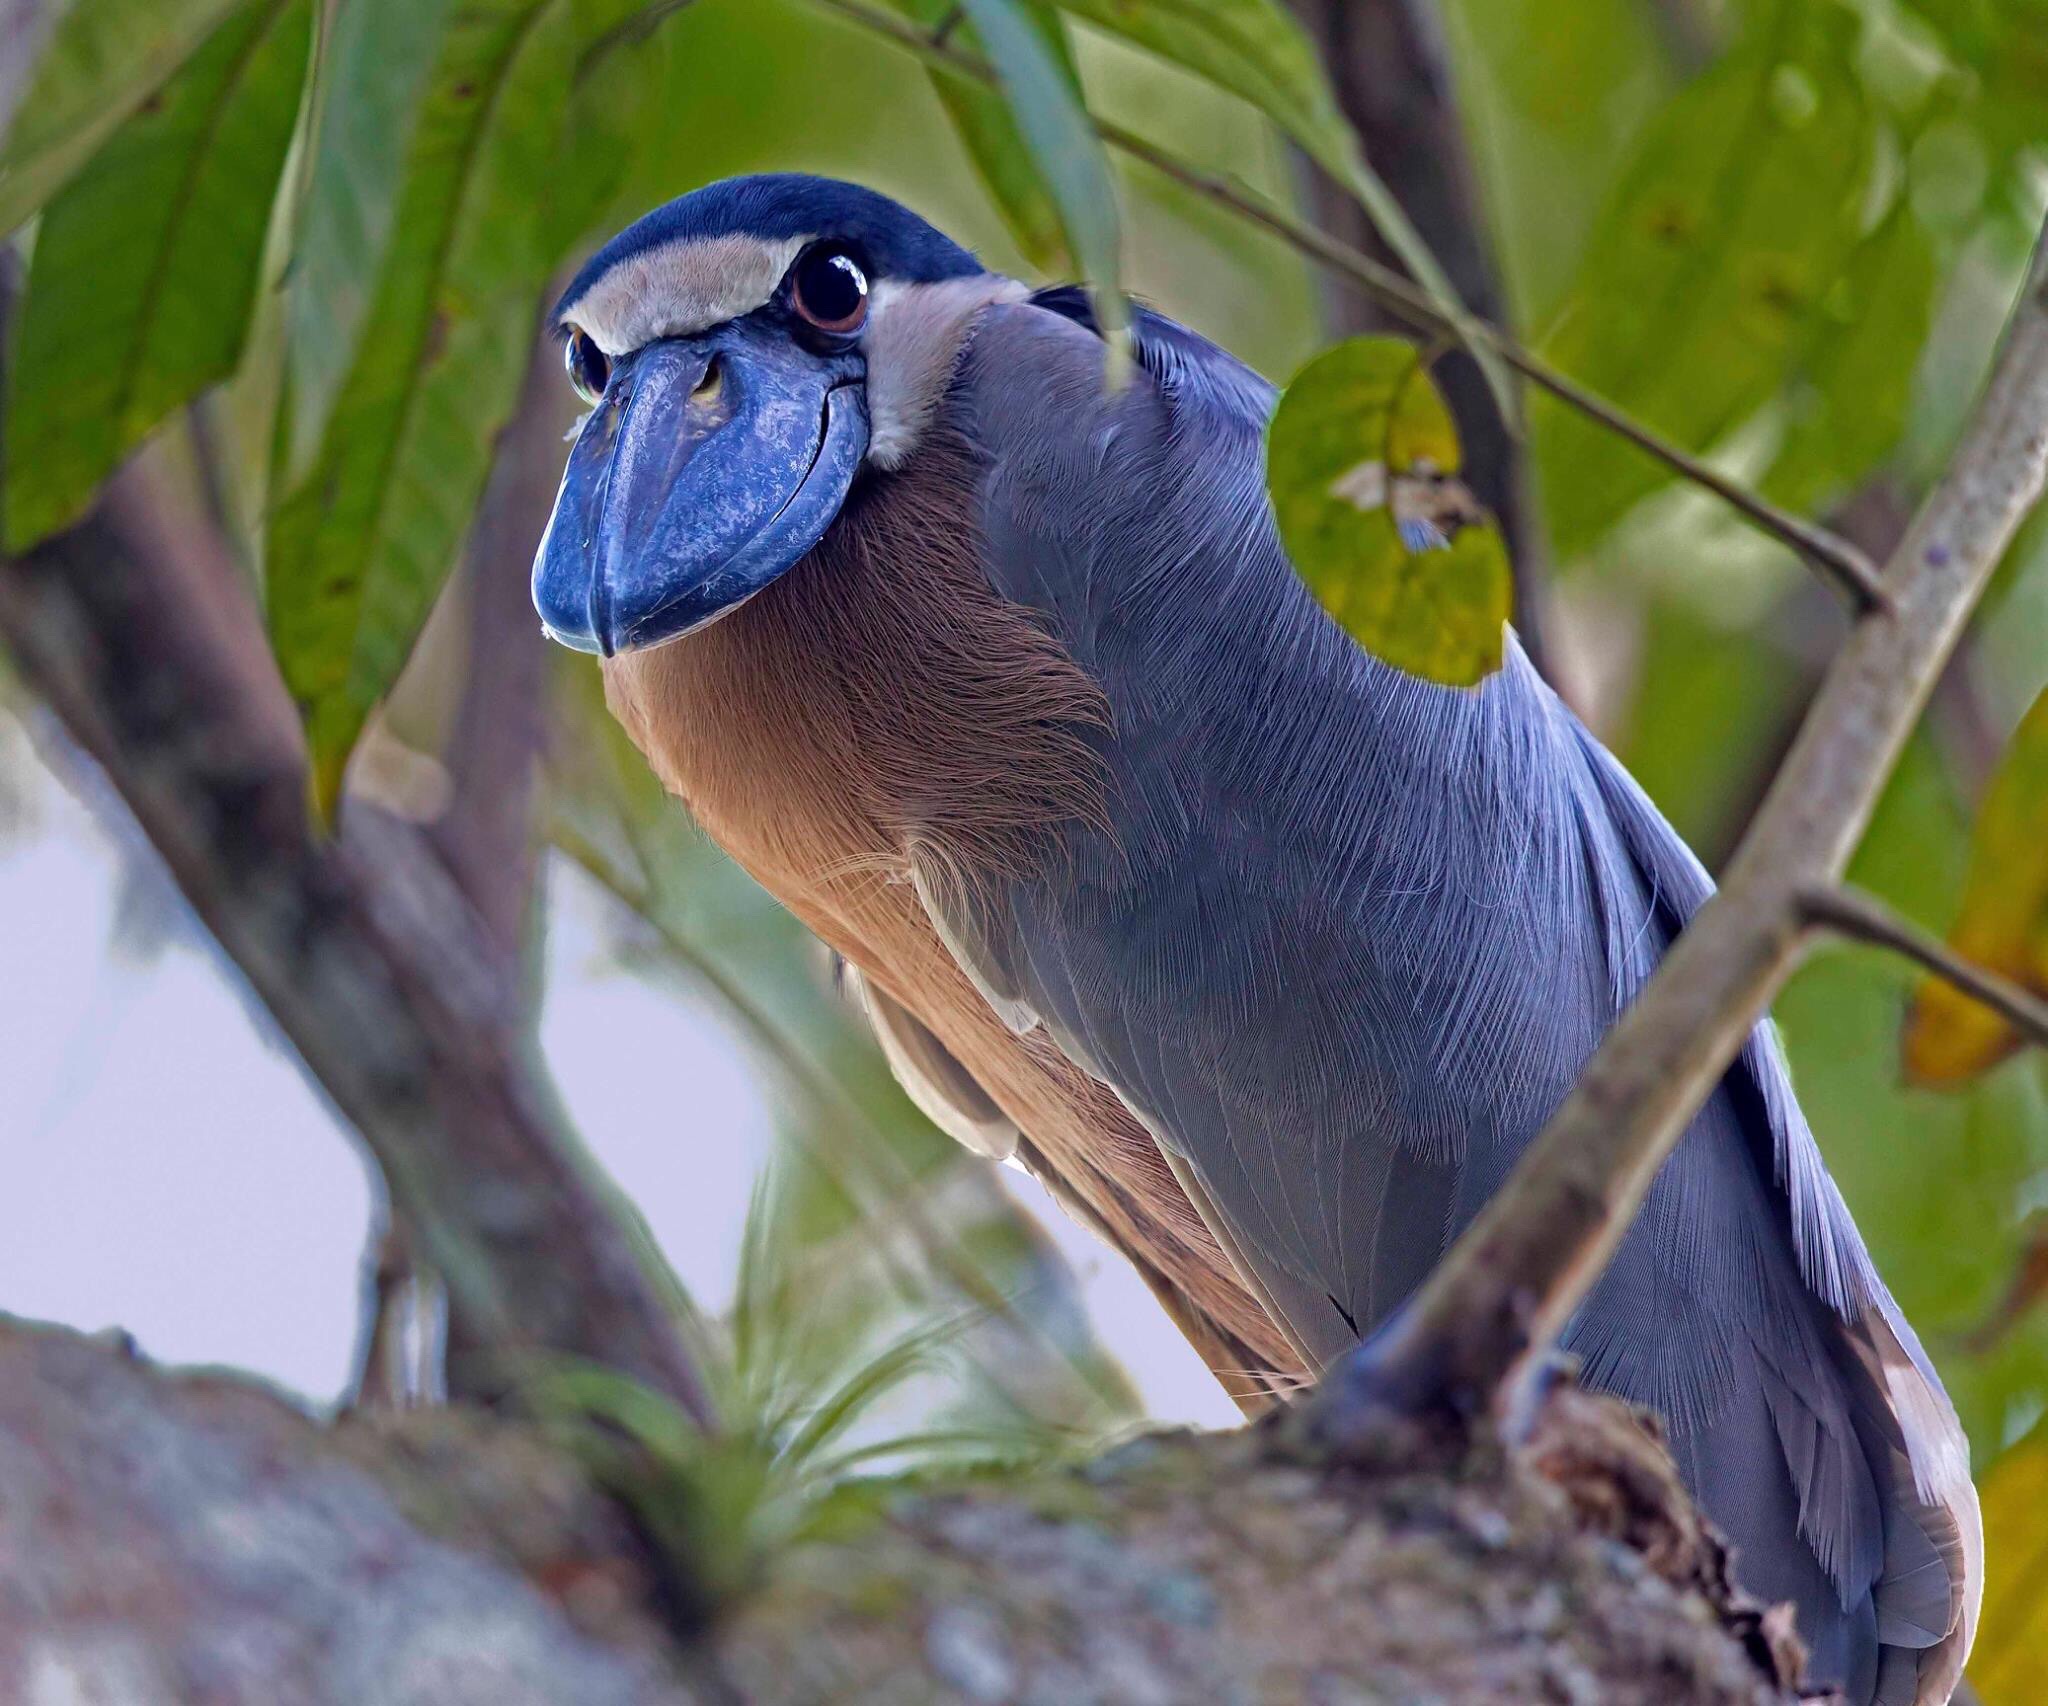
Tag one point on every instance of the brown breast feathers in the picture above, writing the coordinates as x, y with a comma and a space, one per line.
880, 707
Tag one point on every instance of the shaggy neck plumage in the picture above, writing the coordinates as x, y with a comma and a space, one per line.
880, 698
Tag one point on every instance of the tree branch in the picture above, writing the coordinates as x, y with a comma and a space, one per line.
1476, 1334
137, 631
388, 1372
487, 834
485, 831
160, 1529
1849, 912
1847, 568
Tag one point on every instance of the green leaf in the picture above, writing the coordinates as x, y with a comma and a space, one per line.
1714, 264
1711, 709
361, 544
1361, 447
1061, 138
146, 265
2003, 45
1253, 49
989, 133
104, 59
1553, 97
375, 61
2003, 923
1847, 392
621, 102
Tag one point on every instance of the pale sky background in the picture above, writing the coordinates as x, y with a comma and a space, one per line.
166, 1167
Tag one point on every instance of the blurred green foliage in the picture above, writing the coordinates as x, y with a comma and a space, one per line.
989, 133
101, 63
1781, 231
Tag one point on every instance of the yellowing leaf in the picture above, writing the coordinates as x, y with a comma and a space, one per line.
1359, 460
2003, 923
2011, 1654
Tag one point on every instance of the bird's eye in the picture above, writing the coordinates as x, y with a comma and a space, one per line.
830, 290
588, 368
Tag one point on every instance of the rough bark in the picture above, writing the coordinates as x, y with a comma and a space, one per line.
185, 1537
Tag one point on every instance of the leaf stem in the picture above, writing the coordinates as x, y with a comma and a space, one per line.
1850, 912
636, 27
1834, 558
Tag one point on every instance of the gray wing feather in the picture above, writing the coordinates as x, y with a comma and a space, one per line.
1349, 938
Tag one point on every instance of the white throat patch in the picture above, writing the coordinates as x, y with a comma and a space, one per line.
912, 342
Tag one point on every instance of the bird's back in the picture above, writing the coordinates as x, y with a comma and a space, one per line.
1345, 939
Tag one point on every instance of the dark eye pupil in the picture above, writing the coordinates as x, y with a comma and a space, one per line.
588, 368
832, 285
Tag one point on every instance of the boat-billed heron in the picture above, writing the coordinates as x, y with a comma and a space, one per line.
1266, 958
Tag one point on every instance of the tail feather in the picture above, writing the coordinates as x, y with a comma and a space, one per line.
1876, 1466
1879, 1467
1841, 1506
1933, 1585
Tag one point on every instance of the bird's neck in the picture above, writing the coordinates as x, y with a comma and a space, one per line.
878, 700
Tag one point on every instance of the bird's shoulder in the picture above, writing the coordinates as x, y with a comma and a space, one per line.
1053, 339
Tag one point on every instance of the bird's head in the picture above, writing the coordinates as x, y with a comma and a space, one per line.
745, 352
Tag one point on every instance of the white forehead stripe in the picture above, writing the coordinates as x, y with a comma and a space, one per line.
680, 287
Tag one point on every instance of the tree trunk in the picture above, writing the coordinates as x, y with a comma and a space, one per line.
186, 1537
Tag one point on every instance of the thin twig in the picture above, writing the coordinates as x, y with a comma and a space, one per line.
1836, 559
1850, 912
1474, 1335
